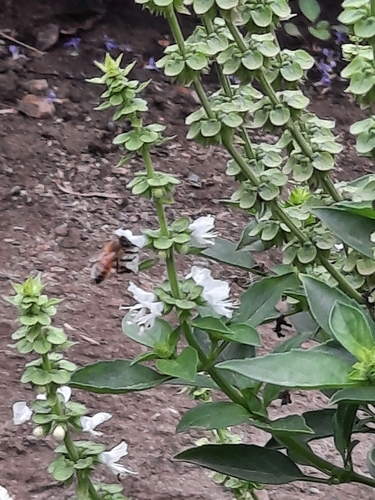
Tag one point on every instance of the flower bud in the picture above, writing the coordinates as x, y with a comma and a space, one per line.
184, 249
158, 193
162, 254
59, 433
38, 432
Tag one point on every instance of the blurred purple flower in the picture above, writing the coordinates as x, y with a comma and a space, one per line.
151, 64
126, 47
325, 81
73, 42
15, 51
340, 37
109, 43
51, 96
325, 67
329, 53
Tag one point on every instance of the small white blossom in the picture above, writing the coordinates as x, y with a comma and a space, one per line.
59, 433
137, 240
4, 494
147, 309
215, 292
89, 424
338, 247
21, 413
38, 432
110, 459
65, 391
200, 231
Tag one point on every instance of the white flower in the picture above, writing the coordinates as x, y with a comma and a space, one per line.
4, 494
110, 459
137, 240
21, 413
146, 302
59, 433
200, 231
215, 292
88, 424
65, 391
338, 247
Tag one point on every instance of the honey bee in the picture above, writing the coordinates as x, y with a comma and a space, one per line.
120, 254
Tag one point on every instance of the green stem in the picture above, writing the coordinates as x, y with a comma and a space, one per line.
225, 386
171, 267
84, 483
325, 182
175, 28
343, 284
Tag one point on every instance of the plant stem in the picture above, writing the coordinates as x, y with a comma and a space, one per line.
171, 267
225, 386
325, 182
343, 284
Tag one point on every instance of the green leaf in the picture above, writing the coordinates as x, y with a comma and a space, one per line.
292, 424
244, 334
61, 377
202, 6
310, 9
349, 227
362, 208
210, 324
252, 60
291, 72
323, 161
343, 423
159, 333
210, 128
351, 329
56, 336
184, 366
226, 4
321, 299
279, 116
218, 415
225, 251
268, 191
246, 462
365, 28
262, 16
259, 301
295, 369
116, 377
41, 346
354, 395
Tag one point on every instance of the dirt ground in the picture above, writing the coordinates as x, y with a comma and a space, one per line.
44, 228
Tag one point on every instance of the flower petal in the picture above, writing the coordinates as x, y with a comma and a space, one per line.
215, 292
137, 240
65, 392
200, 231
110, 459
21, 413
141, 296
4, 494
88, 424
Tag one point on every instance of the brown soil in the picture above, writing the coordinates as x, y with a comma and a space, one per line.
47, 230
